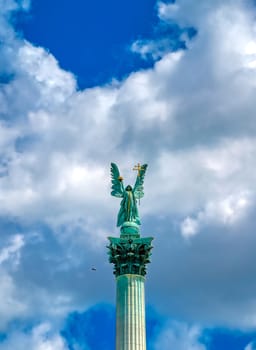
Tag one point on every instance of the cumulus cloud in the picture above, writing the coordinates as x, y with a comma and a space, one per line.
181, 337
191, 117
12, 251
11, 307
67, 135
250, 346
39, 338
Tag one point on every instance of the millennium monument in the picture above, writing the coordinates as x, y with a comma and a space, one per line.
129, 253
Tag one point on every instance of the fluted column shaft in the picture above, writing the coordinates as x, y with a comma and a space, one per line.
130, 313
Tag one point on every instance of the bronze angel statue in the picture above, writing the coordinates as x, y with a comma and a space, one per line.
128, 207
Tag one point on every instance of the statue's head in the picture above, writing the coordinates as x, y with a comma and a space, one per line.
128, 188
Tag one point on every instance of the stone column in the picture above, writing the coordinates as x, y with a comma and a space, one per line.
130, 253
130, 313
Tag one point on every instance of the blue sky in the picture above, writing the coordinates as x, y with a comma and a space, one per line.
171, 84
91, 39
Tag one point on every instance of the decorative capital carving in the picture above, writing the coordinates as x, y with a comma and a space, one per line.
129, 255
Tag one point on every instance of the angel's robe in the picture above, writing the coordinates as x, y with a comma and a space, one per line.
128, 208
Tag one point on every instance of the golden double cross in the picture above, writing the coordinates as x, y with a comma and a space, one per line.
138, 168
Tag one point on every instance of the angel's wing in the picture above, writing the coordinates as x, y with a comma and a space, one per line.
117, 182
138, 187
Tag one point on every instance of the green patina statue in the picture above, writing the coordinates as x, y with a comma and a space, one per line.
129, 253
128, 212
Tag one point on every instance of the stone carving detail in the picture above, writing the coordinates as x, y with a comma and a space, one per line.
130, 256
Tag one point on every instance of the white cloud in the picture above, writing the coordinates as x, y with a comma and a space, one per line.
191, 117
78, 133
40, 338
153, 48
189, 227
12, 251
227, 211
250, 346
180, 336
43, 71
11, 307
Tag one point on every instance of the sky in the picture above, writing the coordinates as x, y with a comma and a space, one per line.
167, 83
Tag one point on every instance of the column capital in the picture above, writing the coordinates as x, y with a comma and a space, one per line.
130, 255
